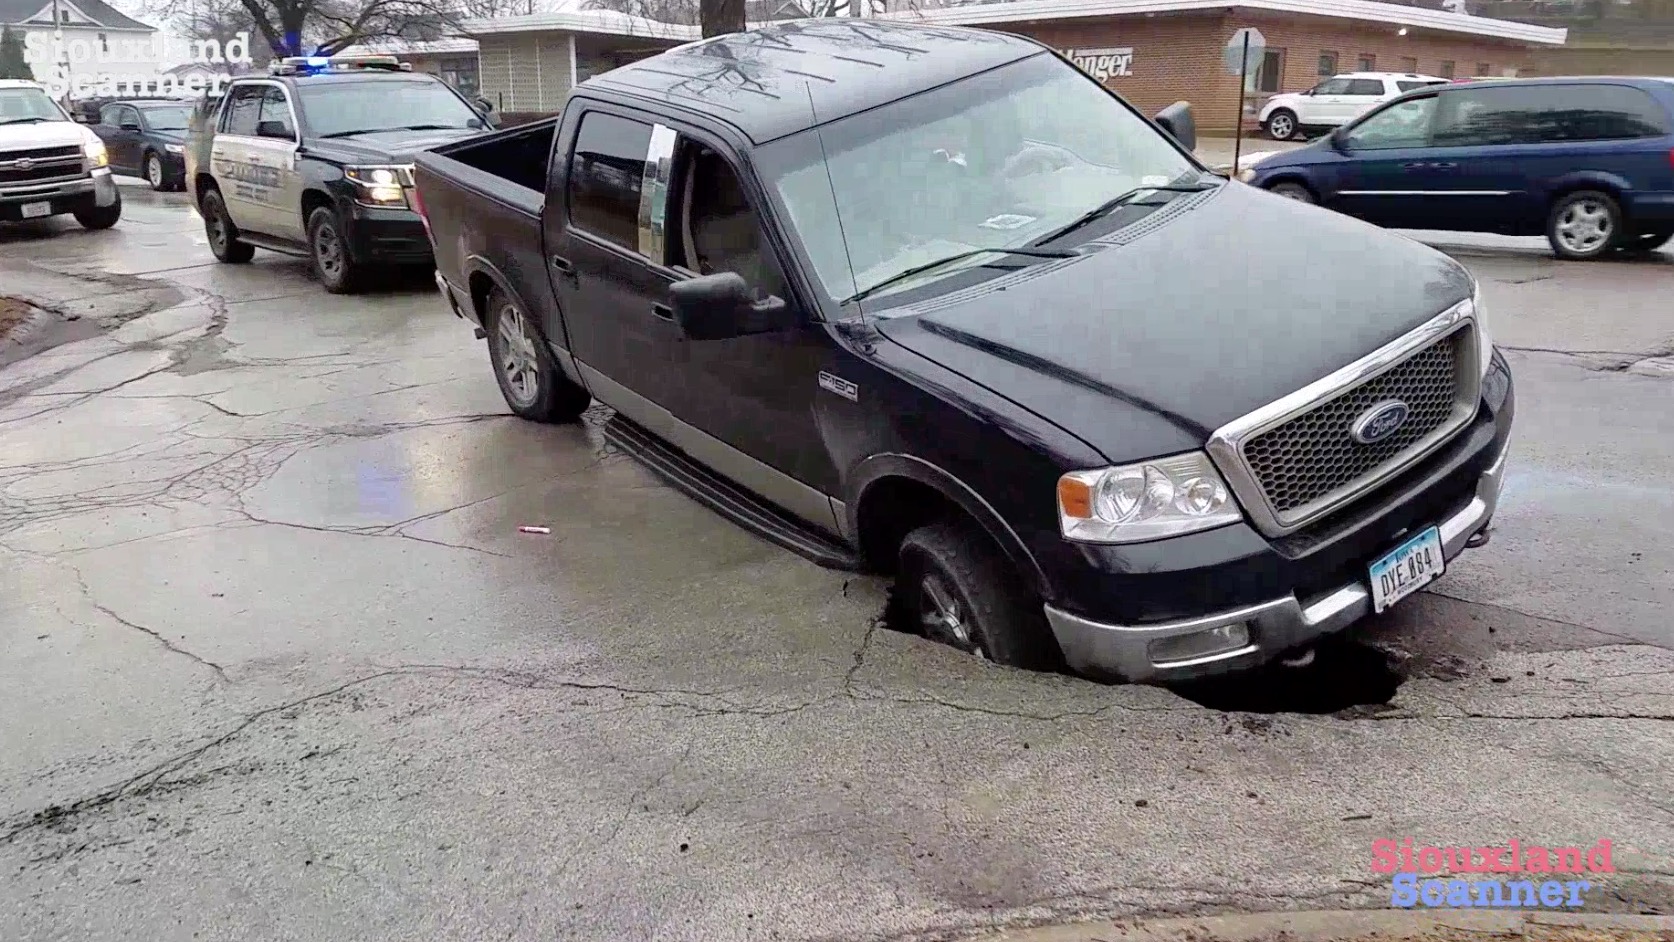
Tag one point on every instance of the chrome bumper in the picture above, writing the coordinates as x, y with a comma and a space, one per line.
1274, 627
99, 182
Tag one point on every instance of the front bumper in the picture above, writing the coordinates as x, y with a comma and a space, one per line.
98, 188
387, 236
1288, 621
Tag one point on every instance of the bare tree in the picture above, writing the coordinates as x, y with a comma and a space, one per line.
323, 27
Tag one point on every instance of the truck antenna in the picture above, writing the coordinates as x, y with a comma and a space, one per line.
825, 159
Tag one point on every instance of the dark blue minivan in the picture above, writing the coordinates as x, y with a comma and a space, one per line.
1588, 162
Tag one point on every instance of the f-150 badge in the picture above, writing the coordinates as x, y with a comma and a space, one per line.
840, 386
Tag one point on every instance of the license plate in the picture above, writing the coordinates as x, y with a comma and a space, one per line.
36, 210
1406, 569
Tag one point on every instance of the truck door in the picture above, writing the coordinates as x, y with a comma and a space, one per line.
231, 153
612, 295
755, 393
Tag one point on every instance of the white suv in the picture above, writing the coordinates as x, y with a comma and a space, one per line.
1336, 101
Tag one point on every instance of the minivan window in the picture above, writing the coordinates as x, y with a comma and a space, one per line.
607, 170
997, 160
1406, 124
1543, 114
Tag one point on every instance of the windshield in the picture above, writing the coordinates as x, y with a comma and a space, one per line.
999, 160
168, 119
27, 105
343, 108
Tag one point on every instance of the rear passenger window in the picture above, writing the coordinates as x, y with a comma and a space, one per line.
607, 171
1365, 87
1546, 114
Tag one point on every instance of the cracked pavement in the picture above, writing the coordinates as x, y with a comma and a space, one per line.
278, 665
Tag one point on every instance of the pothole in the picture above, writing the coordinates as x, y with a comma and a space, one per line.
1344, 675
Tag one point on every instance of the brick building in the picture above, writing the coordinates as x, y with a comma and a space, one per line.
1153, 52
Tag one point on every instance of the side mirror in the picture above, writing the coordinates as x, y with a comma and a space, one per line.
484, 105
275, 129
1338, 141
719, 306
130, 126
1177, 120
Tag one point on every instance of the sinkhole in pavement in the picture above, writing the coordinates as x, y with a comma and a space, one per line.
1343, 675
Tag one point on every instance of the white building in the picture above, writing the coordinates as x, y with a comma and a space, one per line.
98, 42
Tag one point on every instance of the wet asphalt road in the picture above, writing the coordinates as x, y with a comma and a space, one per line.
275, 663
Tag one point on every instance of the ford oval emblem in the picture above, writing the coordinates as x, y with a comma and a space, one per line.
1380, 421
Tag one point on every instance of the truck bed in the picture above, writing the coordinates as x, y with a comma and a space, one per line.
483, 199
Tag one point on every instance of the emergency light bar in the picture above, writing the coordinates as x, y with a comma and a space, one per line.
312, 65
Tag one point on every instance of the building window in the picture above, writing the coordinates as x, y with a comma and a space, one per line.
1409, 65
461, 74
104, 44
1368, 62
1327, 64
1484, 68
1446, 70
1270, 74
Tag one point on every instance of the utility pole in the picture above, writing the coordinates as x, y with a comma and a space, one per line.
60, 58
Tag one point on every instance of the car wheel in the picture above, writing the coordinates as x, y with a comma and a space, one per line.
1291, 190
333, 265
154, 174
1584, 225
222, 234
1281, 125
1649, 241
100, 217
957, 587
530, 379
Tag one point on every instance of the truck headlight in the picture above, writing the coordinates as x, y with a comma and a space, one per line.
96, 154
1485, 341
1145, 501
174, 148
377, 186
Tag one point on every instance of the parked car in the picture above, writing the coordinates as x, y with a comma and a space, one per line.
1335, 101
882, 317
146, 138
49, 164
315, 160
1588, 162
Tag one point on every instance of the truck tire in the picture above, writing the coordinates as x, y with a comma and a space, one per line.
530, 379
99, 217
955, 585
333, 263
222, 234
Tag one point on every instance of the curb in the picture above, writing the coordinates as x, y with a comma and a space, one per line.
1342, 926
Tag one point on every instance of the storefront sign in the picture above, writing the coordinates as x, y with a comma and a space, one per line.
1102, 64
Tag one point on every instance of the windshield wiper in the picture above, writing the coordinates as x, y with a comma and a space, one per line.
1116, 202
927, 266
409, 127
22, 120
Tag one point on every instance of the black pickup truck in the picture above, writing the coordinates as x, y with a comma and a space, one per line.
934, 302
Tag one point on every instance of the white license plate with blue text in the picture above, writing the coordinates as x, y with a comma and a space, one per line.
36, 210
1406, 569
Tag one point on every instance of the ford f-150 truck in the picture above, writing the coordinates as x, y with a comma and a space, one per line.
49, 164
933, 302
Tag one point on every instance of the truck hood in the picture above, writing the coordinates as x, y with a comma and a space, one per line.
42, 134
1186, 319
386, 146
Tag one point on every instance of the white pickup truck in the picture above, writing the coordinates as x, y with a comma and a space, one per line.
49, 164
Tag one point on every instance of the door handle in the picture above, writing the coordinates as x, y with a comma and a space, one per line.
663, 311
1417, 165
565, 270
1445, 165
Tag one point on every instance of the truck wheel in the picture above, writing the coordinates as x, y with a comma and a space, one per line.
333, 265
1584, 225
154, 174
99, 217
1281, 125
223, 235
530, 379
955, 585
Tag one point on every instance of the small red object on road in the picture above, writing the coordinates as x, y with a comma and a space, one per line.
534, 529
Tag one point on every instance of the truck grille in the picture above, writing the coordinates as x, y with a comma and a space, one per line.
1295, 461
1314, 454
40, 165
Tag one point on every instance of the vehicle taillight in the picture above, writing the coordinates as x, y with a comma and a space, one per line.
424, 217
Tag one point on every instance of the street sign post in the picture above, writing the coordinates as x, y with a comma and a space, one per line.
1246, 45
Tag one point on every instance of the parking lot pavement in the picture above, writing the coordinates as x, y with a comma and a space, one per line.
278, 664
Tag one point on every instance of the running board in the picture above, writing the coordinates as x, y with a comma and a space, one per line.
728, 499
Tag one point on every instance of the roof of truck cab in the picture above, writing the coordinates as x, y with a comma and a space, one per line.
787, 76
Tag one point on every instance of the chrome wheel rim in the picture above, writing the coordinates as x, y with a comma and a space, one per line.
328, 251
1584, 226
518, 362
943, 617
1281, 127
154, 172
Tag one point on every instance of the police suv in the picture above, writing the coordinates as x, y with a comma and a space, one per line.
314, 159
